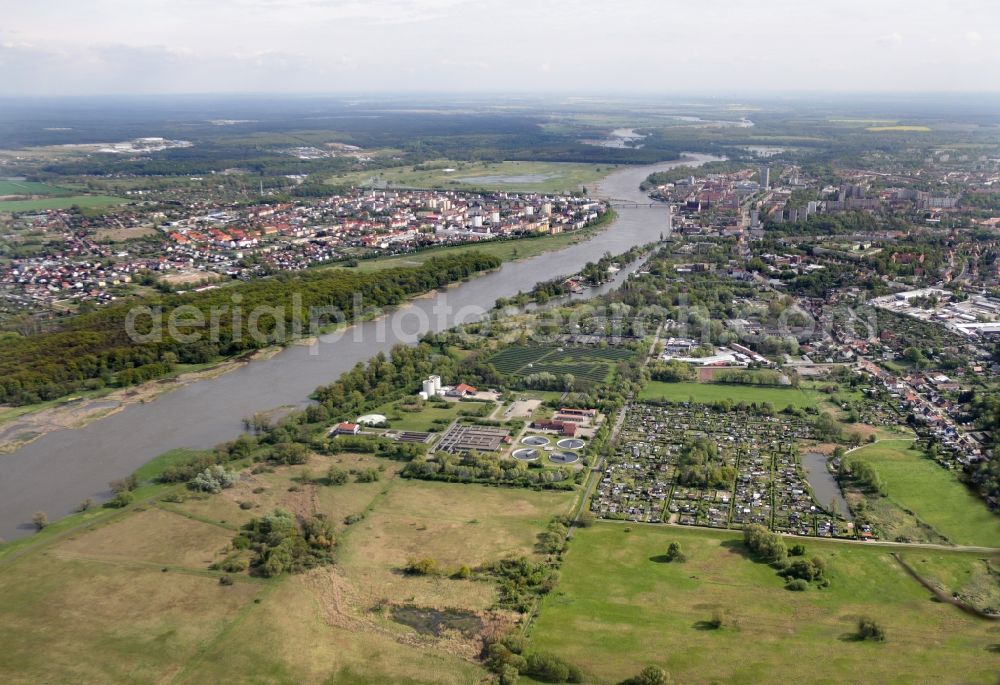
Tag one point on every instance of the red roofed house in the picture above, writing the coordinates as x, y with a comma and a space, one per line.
346, 428
462, 390
566, 428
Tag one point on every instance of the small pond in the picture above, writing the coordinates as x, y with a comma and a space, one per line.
437, 621
825, 487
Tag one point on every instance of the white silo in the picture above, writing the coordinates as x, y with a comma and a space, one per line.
436, 380
428, 387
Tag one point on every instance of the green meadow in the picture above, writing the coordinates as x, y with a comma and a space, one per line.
934, 495
780, 397
83, 201
513, 176
618, 607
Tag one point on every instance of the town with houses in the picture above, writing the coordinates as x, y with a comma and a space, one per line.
195, 246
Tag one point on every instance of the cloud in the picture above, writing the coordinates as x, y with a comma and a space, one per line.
895, 38
126, 46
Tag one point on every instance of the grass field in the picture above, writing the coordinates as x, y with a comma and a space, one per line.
288, 639
83, 201
551, 177
31, 188
880, 129
76, 613
505, 250
422, 420
932, 493
128, 597
972, 578
451, 523
715, 392
617, 609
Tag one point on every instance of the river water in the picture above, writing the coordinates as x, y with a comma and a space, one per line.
62, 468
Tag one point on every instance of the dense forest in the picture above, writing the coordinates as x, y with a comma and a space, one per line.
94, 350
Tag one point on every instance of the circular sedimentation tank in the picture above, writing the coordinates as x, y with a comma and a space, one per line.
571, 443
535, 440
564, 457
525, 454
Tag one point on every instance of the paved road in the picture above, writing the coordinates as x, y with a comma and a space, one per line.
846, 541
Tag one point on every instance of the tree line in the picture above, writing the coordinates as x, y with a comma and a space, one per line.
95, 350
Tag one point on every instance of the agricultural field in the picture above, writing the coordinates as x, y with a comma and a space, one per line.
934, 495
594, 365
543, 177
619, 607
83, 201
8, 187
779, 397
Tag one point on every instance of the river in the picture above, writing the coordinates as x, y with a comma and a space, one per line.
60, 469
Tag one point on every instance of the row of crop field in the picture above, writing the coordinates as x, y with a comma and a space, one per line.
597, 373
581, 361
511, 360
573, 354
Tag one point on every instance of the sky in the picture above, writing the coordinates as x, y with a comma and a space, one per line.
97, 47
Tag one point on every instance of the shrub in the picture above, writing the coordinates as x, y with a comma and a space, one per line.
651, 675
225, 580
85, 504
281, 547
509, 675
366, 476
246, 505
130, 482
514, 642
868, 629
233, 565
674, 553
797, 550
762, 542
336, 476
290, 453
546, 667
803, 569
40, 519
122, 499
421, 567
797, 585
214, 479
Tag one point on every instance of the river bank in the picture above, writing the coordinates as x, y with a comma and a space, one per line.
21, 425
73, 413
55, 471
